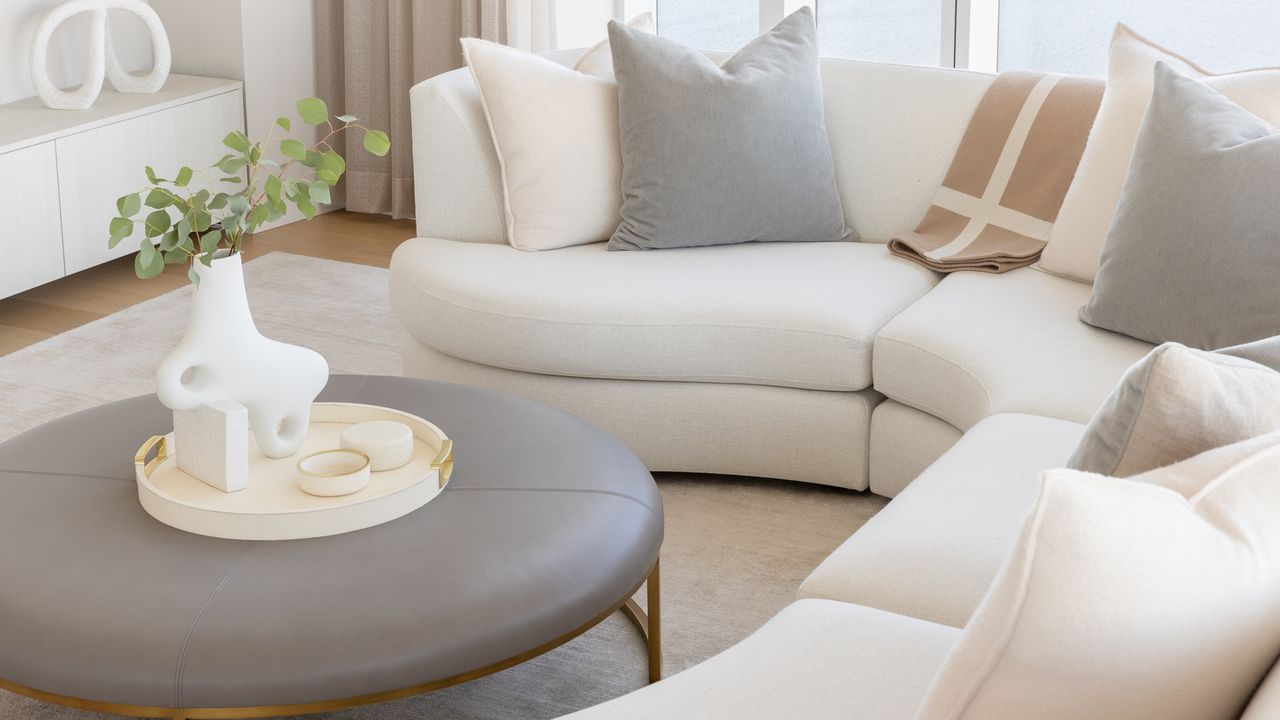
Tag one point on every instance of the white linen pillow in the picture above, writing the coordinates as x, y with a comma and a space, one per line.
556, 135
555, 131
1151, 597
1075, 245
598, 59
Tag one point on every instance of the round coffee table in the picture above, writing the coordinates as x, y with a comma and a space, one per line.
547, 526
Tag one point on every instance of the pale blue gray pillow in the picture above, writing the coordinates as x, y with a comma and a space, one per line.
1193, 253
730, 154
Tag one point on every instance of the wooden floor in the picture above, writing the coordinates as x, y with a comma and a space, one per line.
61, 305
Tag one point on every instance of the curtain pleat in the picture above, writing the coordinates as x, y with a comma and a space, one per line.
370, 52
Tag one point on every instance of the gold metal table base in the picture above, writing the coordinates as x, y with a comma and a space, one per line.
649, 625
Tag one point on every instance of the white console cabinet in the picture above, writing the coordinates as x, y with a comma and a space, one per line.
62, 170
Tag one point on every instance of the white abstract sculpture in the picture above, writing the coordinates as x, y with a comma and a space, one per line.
222, 355
102, 56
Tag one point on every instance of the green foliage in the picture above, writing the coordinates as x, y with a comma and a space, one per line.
191, 217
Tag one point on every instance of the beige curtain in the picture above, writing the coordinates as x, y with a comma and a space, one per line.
370, 52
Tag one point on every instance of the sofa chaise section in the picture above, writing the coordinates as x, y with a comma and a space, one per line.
934, 550
817, 659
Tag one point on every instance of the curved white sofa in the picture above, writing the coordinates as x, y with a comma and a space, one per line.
832, 363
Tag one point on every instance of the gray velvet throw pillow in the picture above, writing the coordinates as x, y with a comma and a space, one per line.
1193, 252
730, 154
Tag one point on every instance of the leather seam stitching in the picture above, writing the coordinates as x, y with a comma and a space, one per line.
191, 631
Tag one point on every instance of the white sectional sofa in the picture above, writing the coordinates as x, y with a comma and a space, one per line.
832, 363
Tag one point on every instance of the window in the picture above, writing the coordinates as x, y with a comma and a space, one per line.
1067, 36
709, 24
1071, 36
901, 31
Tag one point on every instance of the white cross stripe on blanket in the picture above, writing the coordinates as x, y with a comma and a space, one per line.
987, 209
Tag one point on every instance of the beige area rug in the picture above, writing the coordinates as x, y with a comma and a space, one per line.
735, 551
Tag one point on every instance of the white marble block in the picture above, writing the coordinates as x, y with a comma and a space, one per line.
213, 443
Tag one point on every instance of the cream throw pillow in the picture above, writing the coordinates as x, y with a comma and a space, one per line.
1153, 597
1177, 402
555, 130
1075, 245
598, 60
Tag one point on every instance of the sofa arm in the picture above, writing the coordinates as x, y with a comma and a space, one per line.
457, 181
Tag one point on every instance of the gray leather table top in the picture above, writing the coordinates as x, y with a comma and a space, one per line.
546, 523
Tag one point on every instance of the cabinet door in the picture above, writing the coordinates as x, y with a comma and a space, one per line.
97, 166
30, 234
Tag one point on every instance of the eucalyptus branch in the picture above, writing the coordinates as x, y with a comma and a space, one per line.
228, 217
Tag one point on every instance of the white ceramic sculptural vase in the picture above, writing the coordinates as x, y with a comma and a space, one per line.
222, 355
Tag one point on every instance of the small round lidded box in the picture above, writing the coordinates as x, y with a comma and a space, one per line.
389, 444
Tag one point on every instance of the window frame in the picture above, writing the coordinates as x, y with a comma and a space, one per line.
970, 28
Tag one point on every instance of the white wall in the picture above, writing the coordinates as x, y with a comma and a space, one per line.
68, 53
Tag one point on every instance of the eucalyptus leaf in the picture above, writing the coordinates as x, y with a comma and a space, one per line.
193, 276
272, 187
184, 176
121, 228
183, 228
149, 266
284, 122
129, 205
151, 175
200, 221
320, 192
158, 198
207, 259
218, 201
156, 223
329, 176
330, 160
313, 111
233, 179
377, 142
308, 210
257, 215
346, 118
255, 154
312, 159
169, 241
291, 148
236, 140
232, 164
146, 252
209, 241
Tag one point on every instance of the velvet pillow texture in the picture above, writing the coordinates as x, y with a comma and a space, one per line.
1193, 253
1177, 402
715, 155
1075, 245
555, 130
1152, 597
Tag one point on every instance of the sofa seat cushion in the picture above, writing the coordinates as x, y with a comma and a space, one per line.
933, 552
816, 659
800, 315
982, 344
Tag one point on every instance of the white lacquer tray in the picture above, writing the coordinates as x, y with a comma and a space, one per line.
273, 507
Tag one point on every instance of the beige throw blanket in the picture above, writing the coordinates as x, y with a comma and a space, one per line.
997, 204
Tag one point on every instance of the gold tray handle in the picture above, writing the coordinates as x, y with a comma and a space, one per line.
444, 461
157, 443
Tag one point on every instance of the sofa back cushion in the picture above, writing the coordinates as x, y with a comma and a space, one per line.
893, 130
1152, 597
